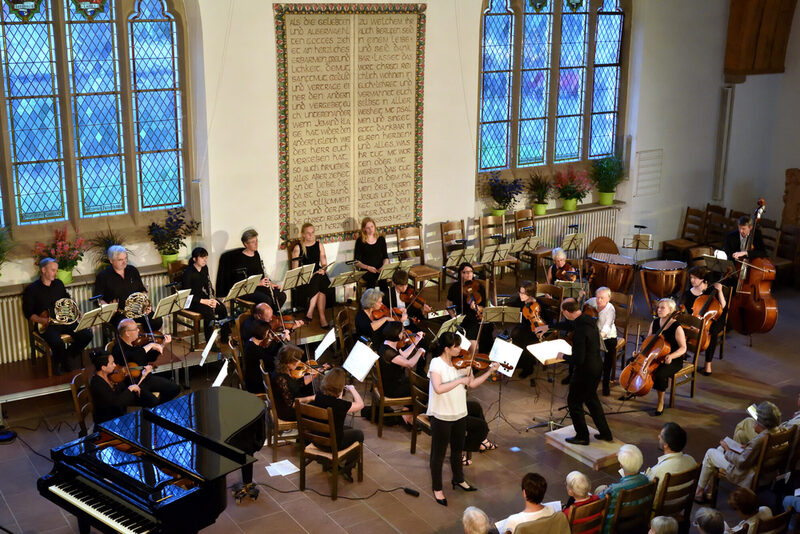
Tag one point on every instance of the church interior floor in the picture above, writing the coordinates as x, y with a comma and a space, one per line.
767, 370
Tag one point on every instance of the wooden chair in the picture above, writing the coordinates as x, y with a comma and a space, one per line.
588, 518
419, 405
632, 512
772, 461
717, 227
788, 250
525, 226
277, 425
602, 244
554, 524
735, 214
345, 333
552, 304
186, 318
238, 325
692, 234
695, 255
693, 328
82, 399
452, 232
491, 231
775, 525
410, 241
623, 309
381, 401
719, 210
727, 291
39, 346
316, 429
676, 496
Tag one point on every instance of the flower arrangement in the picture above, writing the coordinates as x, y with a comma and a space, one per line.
64, 251
504, 192
101, 241
572, 184
607, 174
539, 187
169, 237
6, 244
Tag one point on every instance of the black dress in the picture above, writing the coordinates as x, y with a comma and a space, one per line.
717, 324
471, 323
198, 282
394, 377
111, 402
319, 282
345, 436
522, 335
664, 371
372, 255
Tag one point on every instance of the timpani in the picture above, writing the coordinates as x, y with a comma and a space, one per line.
613, 271
662, 278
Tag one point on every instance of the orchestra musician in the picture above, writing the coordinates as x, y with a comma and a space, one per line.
561, 269
262, 312
247, 262
288, 389
111, 399
471, 305
367, 322
700, 284
116, 282
587, 368
522, 334
394, 298
394, 362
196, 279
606, 315
370, 252
673, 362
309, 251
735, 241
40, 297
126, 353
258, 350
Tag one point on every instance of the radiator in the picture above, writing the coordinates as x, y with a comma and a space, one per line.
593, 224
14, 338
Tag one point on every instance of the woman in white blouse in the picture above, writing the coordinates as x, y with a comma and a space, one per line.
447, 410
608, 332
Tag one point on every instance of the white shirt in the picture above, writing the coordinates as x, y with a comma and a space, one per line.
512, 521
450, 406
605, 319
674, 462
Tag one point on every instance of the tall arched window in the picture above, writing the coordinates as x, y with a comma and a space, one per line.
92, 121
550, 82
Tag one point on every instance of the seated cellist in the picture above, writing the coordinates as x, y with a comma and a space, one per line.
699, 284
672, 362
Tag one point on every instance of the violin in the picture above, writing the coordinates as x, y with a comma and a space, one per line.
413, 300
145, 338
531, 311
637, 377
407, 338
394, 313
479, 361
566, 273
311, 367
279, 323
471, 291
121, 372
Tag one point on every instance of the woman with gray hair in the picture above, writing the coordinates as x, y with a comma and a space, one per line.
709, 521
630, 459
673, 334
663, 525
475, 521
117, 282
560, 267
370, 321
578, 491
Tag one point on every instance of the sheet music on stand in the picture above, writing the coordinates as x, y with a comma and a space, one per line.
172, 303
505, 353
243, 287
97, 316
389, 269
547, 352
360, 361
573, 241
638, 242
451, 325
495, 253
718, 265
571, 289
464, 255
223, 373
297, 277
526, 244
349, 277
502, 314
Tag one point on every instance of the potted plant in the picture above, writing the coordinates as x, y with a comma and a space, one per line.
606, 175
540, 189
64, 251
6, 244
503, 192
101, 241
168, 238
571, 186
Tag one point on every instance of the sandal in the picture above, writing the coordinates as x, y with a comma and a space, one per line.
465, 460
487, 445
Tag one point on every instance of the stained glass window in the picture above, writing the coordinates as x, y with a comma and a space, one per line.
534, 86
94, 86
495, 110
606, 79
28, 60
571, 81
156, 106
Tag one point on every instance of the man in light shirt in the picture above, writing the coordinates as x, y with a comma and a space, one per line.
671, 440
533, 488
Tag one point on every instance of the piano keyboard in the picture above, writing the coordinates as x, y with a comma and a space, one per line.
103, 508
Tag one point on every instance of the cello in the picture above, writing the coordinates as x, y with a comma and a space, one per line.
637, 377
753, 309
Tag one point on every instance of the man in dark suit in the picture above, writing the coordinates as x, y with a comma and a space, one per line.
587, 364
735, 242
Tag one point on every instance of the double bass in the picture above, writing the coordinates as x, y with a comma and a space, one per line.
637, 377
753, 309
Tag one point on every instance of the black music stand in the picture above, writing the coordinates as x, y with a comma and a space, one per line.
491, 255
638, 242
572, 242
503, 352
166, 307
345, 279
547, 354
242, 287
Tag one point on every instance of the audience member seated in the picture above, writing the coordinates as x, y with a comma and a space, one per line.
111, 399
709, 521
290, 384
745, 503
663, 525
533, 488
745, 429
578, 491
630, 459
475, 521
738, 467
671, 440
793, 502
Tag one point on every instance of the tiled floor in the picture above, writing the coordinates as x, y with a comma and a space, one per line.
767, 370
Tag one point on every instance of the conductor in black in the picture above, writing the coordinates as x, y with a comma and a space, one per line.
587, 362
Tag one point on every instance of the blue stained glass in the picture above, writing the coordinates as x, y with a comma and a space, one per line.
609, 31
571, 83
159, 172
604, 128
568, 136
605, 96
28, 57
606, 81
530, 149
494, 145
497, 42
534, 89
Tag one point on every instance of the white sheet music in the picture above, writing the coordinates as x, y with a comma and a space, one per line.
223, 373
465, 344
360, 361
326, 342
209, 344
549, 350
507, 353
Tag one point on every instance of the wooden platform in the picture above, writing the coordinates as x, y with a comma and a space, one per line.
597, 455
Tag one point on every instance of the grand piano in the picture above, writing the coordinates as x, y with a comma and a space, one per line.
159, 470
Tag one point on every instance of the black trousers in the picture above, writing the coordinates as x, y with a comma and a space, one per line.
209, 314
62, 354
583, 391
350, 436
477, 427
442, 434
166, 388
664, 372
262, 294
714, 331
608, 363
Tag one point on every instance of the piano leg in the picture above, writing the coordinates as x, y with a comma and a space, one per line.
247, 474
83, 524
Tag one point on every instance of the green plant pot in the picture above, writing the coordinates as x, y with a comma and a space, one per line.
65, 276
496, 212
606, 199
539, 209
570, 204
166, 259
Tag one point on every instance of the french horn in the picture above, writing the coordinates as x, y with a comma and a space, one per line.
65, 311
136, 305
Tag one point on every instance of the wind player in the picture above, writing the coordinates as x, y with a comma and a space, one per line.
117, 282
124, 352
40, 297
196, 279
247, 263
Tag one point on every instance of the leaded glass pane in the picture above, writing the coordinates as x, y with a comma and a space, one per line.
156, 106
605, 97
534, 86
494, 145
571, 82
30, 87
95, 96
495, 108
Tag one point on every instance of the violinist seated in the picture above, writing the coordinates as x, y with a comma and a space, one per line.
291, 382
139, 358
561, 269
112, 393
468, 297
676, 339
117, 282
278, 324
402, 295
38, 300
522, 334
735, 244
699, 285
395, 359
260, 350
374, 317
196, 279
606, 315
